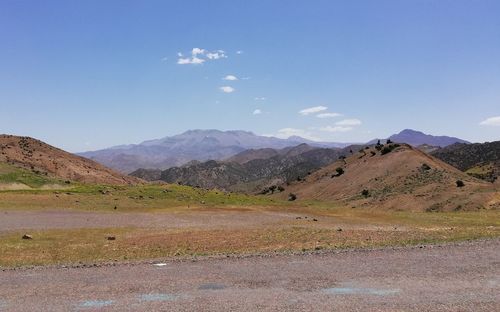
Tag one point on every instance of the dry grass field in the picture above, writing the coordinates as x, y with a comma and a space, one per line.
163, 221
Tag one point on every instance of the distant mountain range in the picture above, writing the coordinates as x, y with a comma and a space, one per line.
250, 171
417, 138
198, 145
203, 145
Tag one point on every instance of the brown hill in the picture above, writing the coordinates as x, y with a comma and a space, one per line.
39, 157
396, 177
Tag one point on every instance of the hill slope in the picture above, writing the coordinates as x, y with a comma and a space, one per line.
201, 145
250, 171
481, 160
43, 159
404, 178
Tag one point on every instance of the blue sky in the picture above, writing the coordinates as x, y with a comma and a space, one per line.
84, 75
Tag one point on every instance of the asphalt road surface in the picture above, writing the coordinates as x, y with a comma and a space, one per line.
455, 277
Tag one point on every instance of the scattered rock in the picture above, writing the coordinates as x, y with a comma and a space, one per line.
315, 220
27, 236
111, 238
339, 230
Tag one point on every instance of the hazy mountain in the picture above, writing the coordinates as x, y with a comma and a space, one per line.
417, 138
250, 171
481, 160
200, 145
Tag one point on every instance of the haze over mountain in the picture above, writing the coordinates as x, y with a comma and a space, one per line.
200, 145
416, 138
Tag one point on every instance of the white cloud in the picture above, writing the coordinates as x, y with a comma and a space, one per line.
230, 78
227, 89
328, 115
260, 98
164, 59
239, 52
216, 55
285, 133
492, 121
257, 112
336, 129
349, 122
312, 110
197, 51
194, 60
199, 56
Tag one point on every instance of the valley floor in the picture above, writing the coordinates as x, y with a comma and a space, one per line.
94, 225
451, 277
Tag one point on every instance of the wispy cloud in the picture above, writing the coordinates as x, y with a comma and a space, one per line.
492, 121
257, 112
199, 56
216, 55
194, 60
239, 52
313, 110
227, 89
336, 129
260, 98
328, 115
230, 78
349, 122
285, 133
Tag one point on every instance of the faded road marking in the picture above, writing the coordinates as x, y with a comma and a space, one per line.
360, 291
157, 297
95, 303
211, 286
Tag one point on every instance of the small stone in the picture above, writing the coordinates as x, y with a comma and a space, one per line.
315, 220
111, 238
27, 236
339, 230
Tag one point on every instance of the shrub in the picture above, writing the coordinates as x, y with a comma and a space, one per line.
292, 197
426, 167
365, 193
389, 148
340, 171
281, 188
460, 183
373, 153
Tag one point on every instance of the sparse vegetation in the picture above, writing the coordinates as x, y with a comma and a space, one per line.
389, 148
365, 193
460, 183
292, 197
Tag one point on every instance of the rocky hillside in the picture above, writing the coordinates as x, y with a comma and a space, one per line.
481, 160
251, 171
43, 159
395, 177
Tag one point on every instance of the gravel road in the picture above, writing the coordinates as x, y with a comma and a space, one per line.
454, 277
